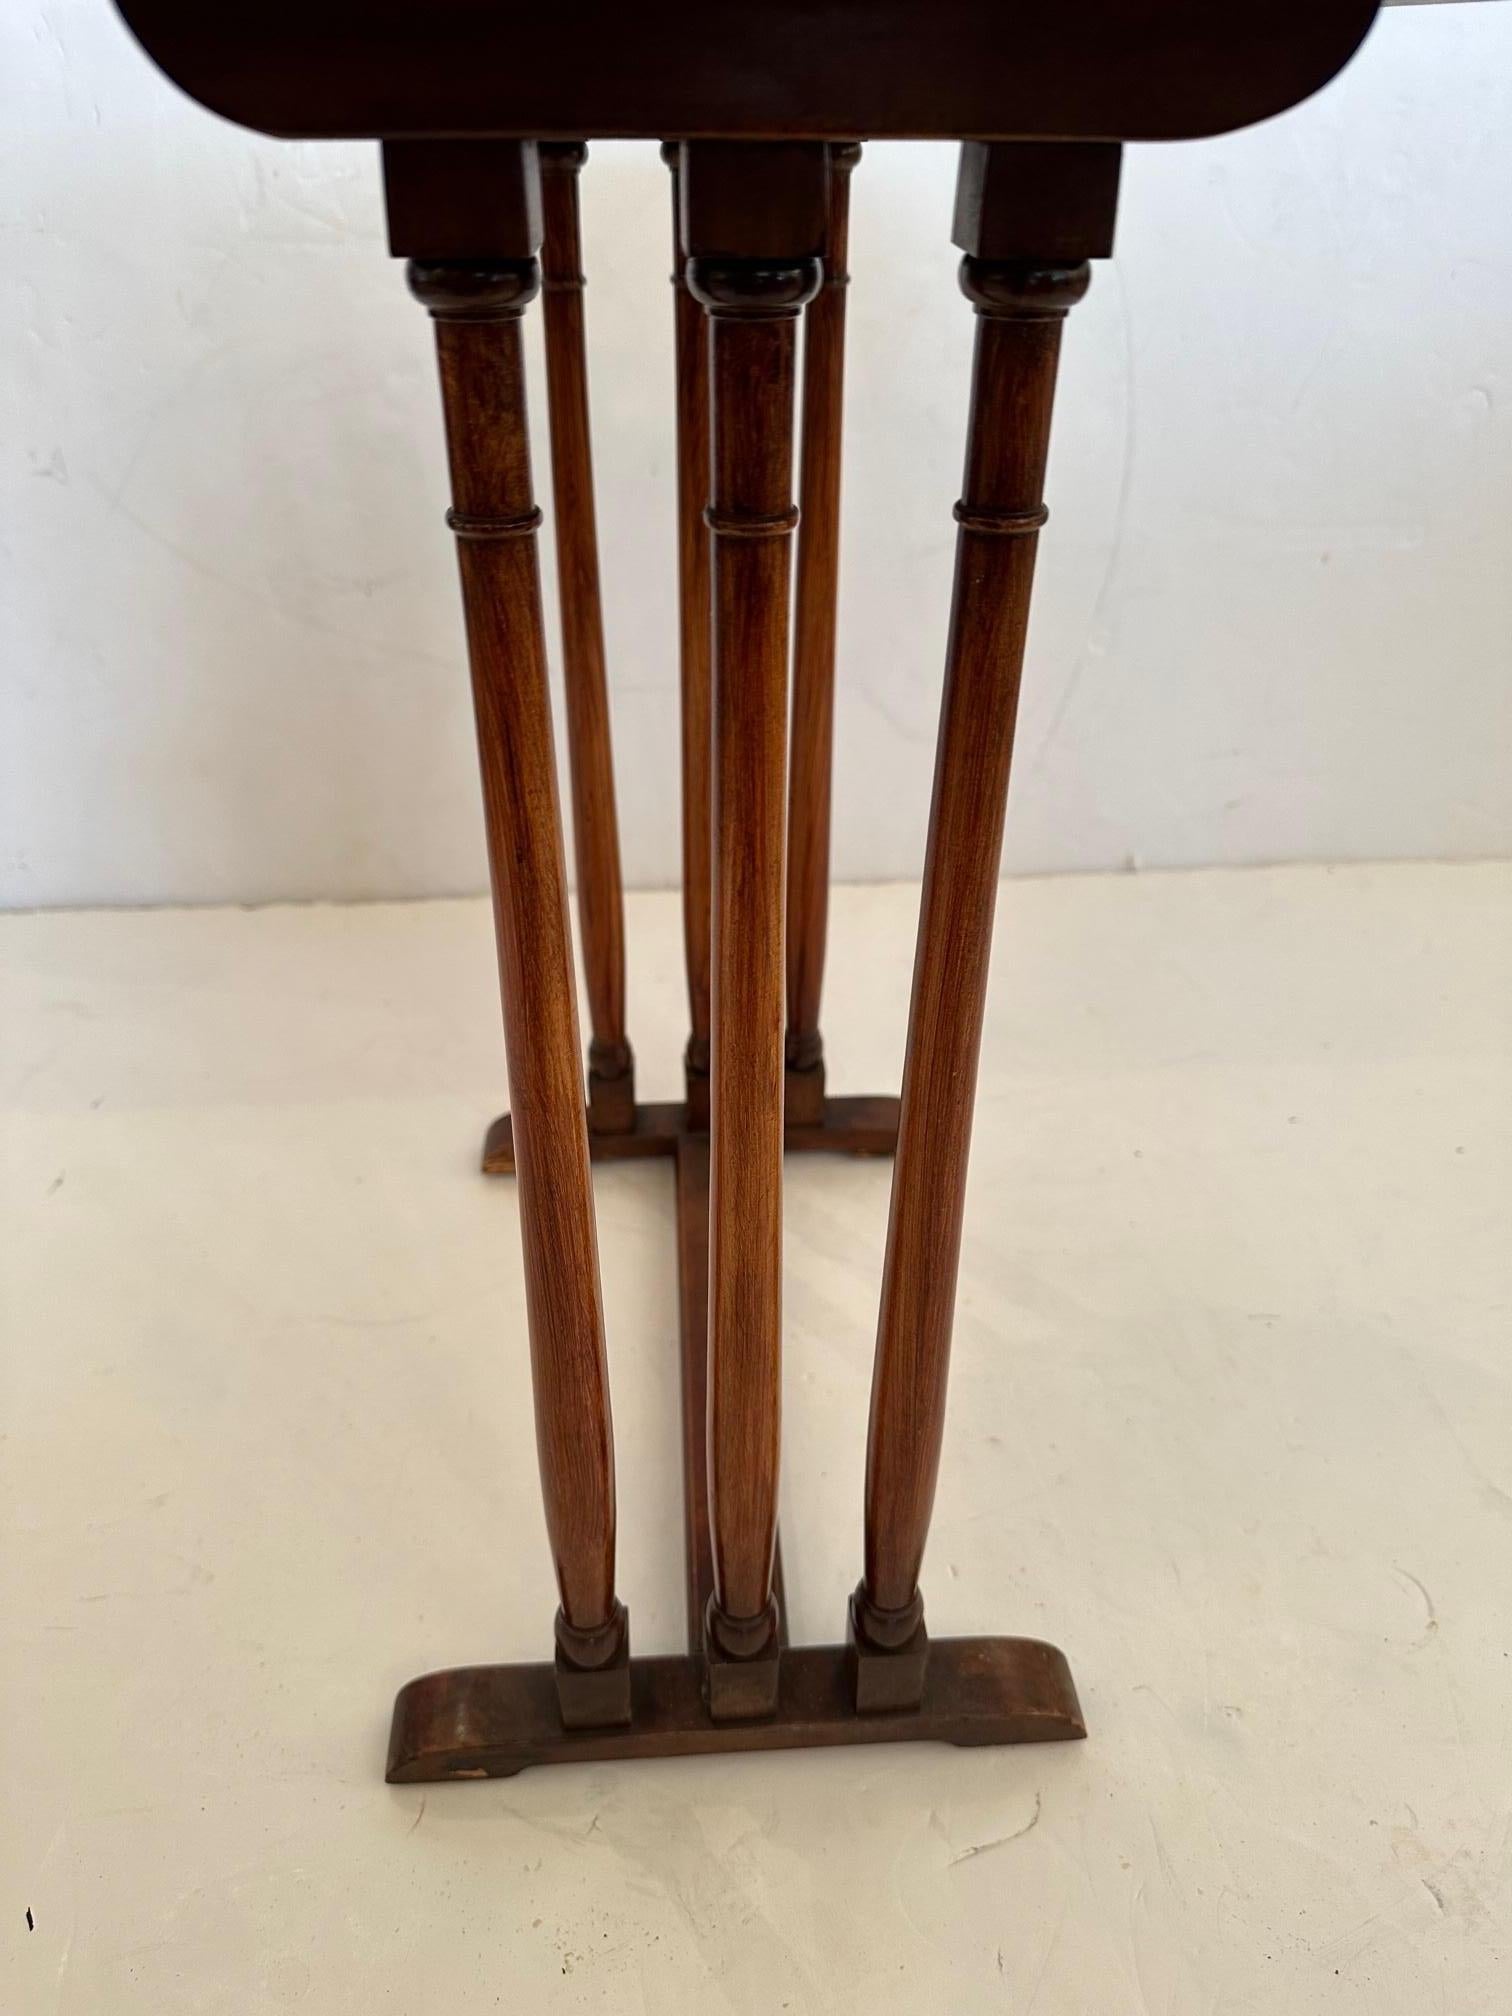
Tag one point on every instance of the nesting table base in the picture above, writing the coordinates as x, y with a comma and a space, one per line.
493, 1721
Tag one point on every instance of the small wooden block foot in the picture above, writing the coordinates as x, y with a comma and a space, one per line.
888, 1680
696, 1080
803, 1094
611, 1088
596, 1698
741, 1685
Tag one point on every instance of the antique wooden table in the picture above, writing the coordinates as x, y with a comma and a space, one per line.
482, 107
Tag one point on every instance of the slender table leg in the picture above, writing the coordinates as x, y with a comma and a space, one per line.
814, 653
694, 643
476, 305
1021, 303
601, 903
752, 289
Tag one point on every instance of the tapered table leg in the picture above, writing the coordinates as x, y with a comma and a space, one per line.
814, 652
752, 289
1020, 303
694, 637
601, 904
476, 305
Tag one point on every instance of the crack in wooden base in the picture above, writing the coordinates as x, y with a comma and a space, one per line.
492, 1721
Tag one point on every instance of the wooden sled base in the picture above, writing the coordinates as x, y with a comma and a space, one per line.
493, 1721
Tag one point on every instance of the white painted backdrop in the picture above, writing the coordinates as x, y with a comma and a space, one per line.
1274, 617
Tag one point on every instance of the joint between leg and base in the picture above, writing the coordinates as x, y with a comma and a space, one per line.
611, 1088
742, 1664
889, 1651
593, 1673
696, 1082
803, 1080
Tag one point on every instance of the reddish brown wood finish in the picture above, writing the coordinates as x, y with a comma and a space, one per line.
695, 638
494, 1721
476, 308
752, 300
1020, 309
491, 1721
750, 515
692, 1151
601, 905
812, 748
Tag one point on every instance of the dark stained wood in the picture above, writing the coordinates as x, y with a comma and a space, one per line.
1020, 309
492, 1721
769, 202
1051, 202
462, 199
867, 1125
893, 69
476, 307
601, 905
695, 640
811, 753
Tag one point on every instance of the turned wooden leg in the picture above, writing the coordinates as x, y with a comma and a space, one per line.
595, 828
753, 222
1010, 202
814, 653
476, 303
694, 633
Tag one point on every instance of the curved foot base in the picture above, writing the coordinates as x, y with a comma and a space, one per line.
492, 1721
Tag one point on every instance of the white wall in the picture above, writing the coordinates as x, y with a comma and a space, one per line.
1274, 617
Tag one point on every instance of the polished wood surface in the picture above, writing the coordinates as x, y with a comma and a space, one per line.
601, 906
494, 1721
694, 644
813, 69
692, 1152
751, 104
1020, 306
760, 202
476, 307
811, 756
864, 1125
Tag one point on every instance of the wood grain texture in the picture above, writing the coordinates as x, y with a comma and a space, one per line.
601, 907
811, 755
752, 304
476, 308
751, 372
694, 642
1020, 310
692, 1150
493, 1721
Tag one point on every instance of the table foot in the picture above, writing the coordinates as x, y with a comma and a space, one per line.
494, 1721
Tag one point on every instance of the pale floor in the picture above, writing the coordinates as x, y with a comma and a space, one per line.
1231, 1421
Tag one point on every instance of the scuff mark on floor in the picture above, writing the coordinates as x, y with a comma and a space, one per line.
1002, 1840
1431, 1629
